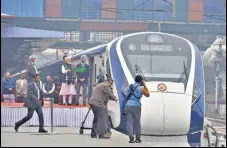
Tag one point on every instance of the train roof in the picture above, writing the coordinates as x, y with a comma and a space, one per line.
91, 51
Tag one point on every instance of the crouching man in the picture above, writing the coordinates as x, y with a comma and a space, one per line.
98, 103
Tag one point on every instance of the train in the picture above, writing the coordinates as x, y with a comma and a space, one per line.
173, 69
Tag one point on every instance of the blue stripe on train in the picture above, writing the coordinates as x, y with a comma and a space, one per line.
118, 76
197, 109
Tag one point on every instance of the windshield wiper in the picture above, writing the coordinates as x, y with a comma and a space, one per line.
184, 73
140, 72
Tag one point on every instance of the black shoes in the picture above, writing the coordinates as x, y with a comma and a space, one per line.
104, 136
93, 136
42, 130
138, 141
132, 140
16, 127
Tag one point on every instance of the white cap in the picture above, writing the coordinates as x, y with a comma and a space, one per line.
83, 56
31, 57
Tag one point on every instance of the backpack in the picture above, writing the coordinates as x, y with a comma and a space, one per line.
131, 93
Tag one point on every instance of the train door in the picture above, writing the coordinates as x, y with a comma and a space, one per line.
95, 63
98, 69
92, 72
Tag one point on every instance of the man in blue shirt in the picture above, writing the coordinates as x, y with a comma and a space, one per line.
8, 88
133, 107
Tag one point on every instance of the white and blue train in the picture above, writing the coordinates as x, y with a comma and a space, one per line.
172, 67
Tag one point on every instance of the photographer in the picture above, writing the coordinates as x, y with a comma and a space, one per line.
67, 87
133, 107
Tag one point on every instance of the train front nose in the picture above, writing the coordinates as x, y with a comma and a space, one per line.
152, 114
165, 114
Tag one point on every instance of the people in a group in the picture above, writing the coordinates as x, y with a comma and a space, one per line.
82, 80
21, 88
34, 102
8, 88
48, 88
31, 68
67, 87
133, 107
98, 103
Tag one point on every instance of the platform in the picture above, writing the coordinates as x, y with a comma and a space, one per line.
64, 115
70, 137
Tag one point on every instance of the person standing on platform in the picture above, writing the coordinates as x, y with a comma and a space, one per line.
34, 102
21, 88
67, 87
82, 80
31, 69
98, 103
133, 107
8, 88
49, 88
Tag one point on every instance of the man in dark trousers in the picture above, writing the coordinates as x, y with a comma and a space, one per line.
98, 103
31, 68
82, 80
34, 102
133, 107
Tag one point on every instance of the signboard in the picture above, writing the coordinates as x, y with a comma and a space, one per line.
155, 43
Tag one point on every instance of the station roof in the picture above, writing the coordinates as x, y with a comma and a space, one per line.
10, 27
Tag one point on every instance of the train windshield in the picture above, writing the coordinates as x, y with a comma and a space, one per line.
155, 66
167, 61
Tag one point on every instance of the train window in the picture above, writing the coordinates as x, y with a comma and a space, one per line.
156, 65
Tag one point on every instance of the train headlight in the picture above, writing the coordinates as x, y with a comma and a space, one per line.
196, 92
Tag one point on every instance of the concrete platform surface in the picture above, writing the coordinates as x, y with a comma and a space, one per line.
70, 137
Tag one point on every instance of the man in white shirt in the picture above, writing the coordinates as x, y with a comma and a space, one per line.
21, 88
